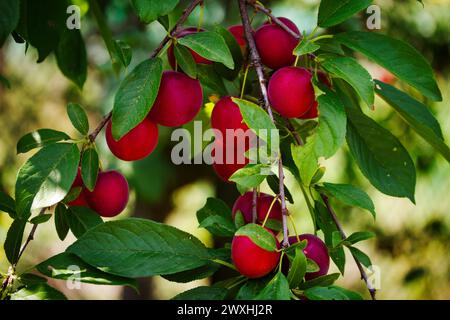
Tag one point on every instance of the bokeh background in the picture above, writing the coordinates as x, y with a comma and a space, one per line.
412, 247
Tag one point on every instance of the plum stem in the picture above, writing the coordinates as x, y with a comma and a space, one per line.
256, 63
335, 219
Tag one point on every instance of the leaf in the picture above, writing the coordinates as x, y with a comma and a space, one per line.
14, 240
30, 278
67, 266
361, 257
71, 56
306, 161
41, 291
135, 96
42, 218
416, 114
123, 52
203, 293
259, 236
322, 281
311, 266
40, 138
349, 195
7, 204
358, 237
380, 156
351, 71
400, 58
331, 293
209, 45
150, 10
185, 61
78, 117
46, 178
255, 117
209, 79
276, 289
140, 248
239, 220
298, 268
82, 219
216, 217
274, 184
10, 17
202, 272
89, 168
72, 195
251, 288
61, 221
236, 53
250, 176
333, 12
305, 46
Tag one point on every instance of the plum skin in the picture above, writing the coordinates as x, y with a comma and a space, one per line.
110, 195
137, 144
263, 202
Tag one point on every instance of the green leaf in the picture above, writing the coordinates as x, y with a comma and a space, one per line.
259, 236
251, 288
399, 57
73, 194
274, 184
203, 293
10, 10
210, 79
185, 61
306, 161
89, 168
123, 52
67, 266
7, 204
349, 195
42, 218
78, 117
14, 240
149, 10
41, 291
209, 45
135, 96
40, 138
274, 225
298, 268
276, 289
322, 281
202, 272
305, 46
82, 219
71, 56
311, 266
250, 176
255, 117
416, 114
30, 279
333, 12
380, 156
140, 248
46, 178
361, 257
351, 71
61, 221
216, 217
331, 293
236, 53
358, 237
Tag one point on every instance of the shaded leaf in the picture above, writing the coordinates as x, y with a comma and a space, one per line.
40, 138
78, 117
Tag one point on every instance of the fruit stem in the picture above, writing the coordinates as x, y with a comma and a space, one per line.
256, 62
268, 211
176, 27
244, 81
224, 263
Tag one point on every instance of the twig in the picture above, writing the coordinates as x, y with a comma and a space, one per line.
30, 237
254, 209
255, 60
177, 27
100, 126
277, 21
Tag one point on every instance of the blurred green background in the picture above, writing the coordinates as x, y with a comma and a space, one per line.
412, 248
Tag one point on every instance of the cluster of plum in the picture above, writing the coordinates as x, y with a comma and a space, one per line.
179, 100
253, 261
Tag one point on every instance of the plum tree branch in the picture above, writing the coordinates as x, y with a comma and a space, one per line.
335, 219
176, 27
255, 60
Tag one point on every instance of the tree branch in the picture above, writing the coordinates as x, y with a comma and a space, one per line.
100, 126
255, 60
335, 219
177, 27
254, 204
